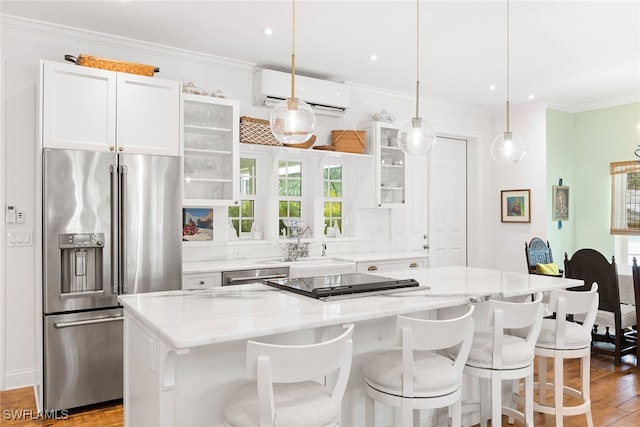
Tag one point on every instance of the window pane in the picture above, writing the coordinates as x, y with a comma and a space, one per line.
247, 208
336, 209
246, 225
336, 189
295, 209
247, 186
282, 187
247, 167
236, 225
294, 188
234, 211
283, 209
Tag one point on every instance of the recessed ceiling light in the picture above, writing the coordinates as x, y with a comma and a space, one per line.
373, 57
268, 31
531, 96
492, 87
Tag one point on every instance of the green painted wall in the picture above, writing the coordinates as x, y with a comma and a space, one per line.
581, 146
560, 137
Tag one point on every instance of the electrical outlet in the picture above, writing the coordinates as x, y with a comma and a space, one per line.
239, 253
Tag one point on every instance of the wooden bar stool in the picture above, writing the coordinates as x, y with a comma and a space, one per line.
285, 391
417, 377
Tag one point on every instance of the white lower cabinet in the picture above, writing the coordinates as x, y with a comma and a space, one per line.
201, 280
391, 265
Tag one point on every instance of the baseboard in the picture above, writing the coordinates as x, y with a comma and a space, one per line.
19, 379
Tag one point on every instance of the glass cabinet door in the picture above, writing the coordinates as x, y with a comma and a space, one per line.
391, 166
210, 150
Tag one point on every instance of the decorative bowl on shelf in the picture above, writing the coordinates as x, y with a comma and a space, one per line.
384, 116
190, 87
306, 144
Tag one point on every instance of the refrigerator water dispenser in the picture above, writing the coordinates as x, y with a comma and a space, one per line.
81, 262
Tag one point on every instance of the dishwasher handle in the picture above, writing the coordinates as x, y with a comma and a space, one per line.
235, 280
60, 325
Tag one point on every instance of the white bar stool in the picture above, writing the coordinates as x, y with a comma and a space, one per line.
416, 376
563, 339
284, 391
497, 355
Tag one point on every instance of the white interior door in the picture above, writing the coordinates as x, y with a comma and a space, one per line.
447, 237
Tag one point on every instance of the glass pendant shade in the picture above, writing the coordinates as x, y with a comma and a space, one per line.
508, 147
417, 138
292, 121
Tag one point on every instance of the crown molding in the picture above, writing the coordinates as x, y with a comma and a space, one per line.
411, 97
15, 23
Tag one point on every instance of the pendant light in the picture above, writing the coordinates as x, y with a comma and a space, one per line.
508, 147
418, 137
292, 120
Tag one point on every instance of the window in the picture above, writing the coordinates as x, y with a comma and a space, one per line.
243, 215
625, 198
625, 210
333, 203
289, 193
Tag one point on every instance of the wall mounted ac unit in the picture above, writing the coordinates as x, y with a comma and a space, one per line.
325, 97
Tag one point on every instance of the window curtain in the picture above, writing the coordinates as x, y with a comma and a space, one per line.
625, 197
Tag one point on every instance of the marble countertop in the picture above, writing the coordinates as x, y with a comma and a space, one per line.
248, 263
215, 266
191, 318
380, 256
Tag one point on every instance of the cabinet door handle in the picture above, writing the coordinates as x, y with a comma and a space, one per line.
372, 268
202, 282
413, 265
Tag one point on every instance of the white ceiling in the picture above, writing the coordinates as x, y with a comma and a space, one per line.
580, 54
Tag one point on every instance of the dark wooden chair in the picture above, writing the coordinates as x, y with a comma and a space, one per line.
538, 252
612, 333
635, 270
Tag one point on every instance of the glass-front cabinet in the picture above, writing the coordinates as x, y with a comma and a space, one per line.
210, 148
390, 164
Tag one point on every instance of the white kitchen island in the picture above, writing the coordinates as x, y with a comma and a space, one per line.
184, 351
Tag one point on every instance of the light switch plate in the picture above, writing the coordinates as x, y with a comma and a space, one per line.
19, 238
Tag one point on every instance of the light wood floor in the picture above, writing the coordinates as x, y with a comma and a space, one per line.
615, 393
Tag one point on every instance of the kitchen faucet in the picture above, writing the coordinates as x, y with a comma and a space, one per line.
298, 249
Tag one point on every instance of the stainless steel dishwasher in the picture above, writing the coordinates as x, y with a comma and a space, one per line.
242, 277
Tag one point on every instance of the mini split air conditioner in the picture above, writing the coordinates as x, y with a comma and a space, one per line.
325, 97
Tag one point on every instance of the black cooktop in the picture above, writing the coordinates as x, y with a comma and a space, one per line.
341, 285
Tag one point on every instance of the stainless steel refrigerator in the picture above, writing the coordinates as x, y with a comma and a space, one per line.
111, 225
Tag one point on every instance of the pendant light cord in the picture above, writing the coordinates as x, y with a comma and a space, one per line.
293, 49
508, 37
417, 58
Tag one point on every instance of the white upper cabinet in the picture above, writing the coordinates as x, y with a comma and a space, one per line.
390, 164
91, 109
211, 137
79, 107
148, 115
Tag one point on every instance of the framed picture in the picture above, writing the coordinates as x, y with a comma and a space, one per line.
197, 224
515, 206
560, 203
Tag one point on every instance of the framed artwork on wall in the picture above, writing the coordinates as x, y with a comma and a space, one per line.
197, 224
560, 203
515, 206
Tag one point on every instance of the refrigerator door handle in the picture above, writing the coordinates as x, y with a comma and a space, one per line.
60, 325
123, 209
114, 229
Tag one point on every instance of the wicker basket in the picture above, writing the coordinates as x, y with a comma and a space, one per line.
112, 65
256, 131
349, 141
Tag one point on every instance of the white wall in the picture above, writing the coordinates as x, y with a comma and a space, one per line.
24, 43
504, 249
